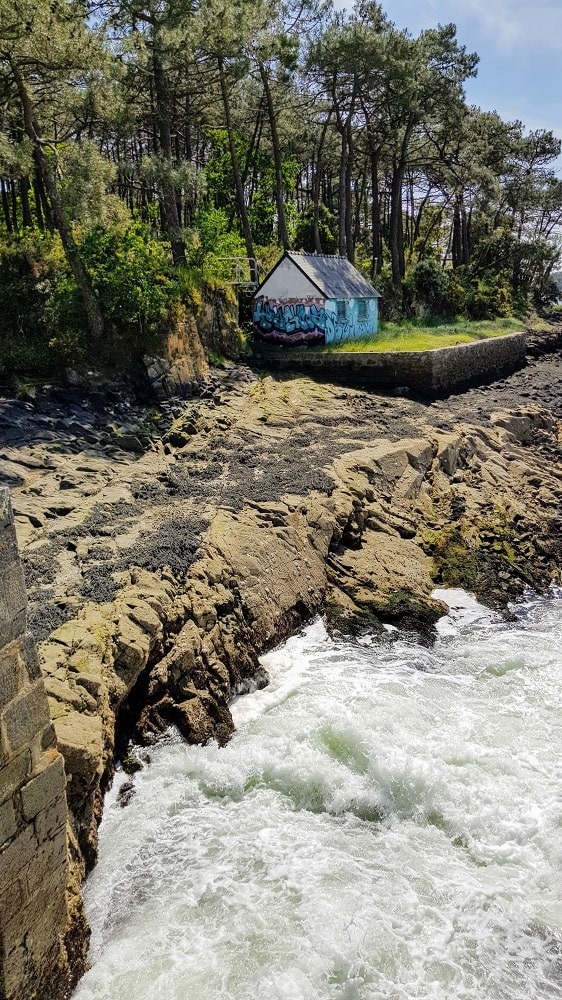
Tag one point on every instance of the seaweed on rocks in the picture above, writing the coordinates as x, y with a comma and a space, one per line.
173, 543
40, 564
148, 492
43, 618
97, 585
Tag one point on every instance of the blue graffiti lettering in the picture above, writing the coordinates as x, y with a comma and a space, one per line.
309, 322
291, 322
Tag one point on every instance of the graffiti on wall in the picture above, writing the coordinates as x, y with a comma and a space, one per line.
307, 322
291, 322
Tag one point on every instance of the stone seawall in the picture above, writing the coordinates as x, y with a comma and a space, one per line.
430, 373
33, 810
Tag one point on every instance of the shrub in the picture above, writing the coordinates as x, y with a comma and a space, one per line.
130, 273
431, 288
213, 243
490, 296
37, 302
43, 326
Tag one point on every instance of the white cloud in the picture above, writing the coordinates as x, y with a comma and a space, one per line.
514, 26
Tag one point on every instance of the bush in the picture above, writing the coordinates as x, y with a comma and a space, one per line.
43, 326
490, 296
213, 244
130, 273
37, 302
432, 290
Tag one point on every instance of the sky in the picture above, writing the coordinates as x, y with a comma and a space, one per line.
520, 47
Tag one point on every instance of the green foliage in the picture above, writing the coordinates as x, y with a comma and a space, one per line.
130, 274
218, 169
213, 244
86, 177
430, 284
42, 324
436, 291
489, 296
35, 281
262, 216
327, 227
268, 256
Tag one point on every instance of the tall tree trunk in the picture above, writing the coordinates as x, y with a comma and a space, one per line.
341, 195
91, 304
26, 216
465, 238
359, 206
316, 187
456, 242
242, 210
349, 243
6, 207
40, 192
38, 205
376, 235
279, 197
250, 161
169, 194
396, 234
13, 192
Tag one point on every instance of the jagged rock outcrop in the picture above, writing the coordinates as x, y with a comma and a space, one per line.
395, 518
165, 574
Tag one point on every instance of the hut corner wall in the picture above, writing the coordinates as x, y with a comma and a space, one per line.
351, 328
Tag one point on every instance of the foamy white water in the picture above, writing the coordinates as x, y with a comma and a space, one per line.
386, 823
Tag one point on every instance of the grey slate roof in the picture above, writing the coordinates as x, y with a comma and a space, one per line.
334, 277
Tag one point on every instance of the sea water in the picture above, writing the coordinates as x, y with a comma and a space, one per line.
385, 823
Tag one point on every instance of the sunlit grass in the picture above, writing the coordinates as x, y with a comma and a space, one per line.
426, 335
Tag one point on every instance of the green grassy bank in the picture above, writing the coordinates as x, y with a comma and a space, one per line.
424, 335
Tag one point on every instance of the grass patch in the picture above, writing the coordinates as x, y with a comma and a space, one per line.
425, 335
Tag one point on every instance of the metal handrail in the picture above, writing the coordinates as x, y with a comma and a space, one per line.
241, 266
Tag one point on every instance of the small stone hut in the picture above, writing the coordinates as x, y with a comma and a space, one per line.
314, 299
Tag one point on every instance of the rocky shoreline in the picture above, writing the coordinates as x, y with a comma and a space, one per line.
166, 547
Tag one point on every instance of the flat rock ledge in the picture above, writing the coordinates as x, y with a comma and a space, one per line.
472, 508
321, 501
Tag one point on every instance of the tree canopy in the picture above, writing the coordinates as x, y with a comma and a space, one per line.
225, 128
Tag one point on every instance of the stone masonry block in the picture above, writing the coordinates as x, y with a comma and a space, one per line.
17, 856
51, 857
13, 589
19, 623
6, 514
30, 657
14, 898
51, 822
14, 775
11, 678
25, 717
29, 963
9, 552
5, 631
14, 969
42, 790
48, 738
8, 822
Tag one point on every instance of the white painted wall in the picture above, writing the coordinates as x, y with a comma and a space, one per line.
287, 282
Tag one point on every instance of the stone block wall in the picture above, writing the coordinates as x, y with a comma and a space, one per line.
33, 810
430, 373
